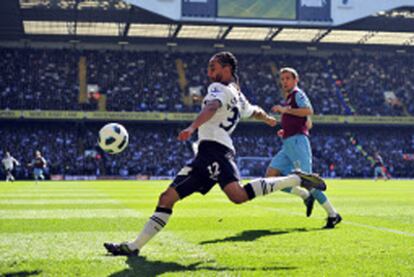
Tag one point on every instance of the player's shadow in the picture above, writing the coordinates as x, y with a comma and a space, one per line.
140, 266
252, 235
22, 273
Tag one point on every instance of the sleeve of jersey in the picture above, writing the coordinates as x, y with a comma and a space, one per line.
247, 109
216, 91
302, 100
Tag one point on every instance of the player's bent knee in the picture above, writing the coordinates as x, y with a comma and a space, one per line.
168, 198
272, 172
238, 200
235, 193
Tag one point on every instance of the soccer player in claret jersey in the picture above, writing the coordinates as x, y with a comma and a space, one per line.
8, 163
214, 163
379, 167
38, 164
296, 151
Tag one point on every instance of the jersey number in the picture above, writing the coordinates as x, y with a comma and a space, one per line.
232, 120
214, 170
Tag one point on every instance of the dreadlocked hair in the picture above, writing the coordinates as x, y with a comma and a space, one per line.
227, 58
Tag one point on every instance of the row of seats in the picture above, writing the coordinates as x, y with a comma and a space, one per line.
148, 81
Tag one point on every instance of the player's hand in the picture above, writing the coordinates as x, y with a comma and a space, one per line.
278, 109
271, 121
185, 134
280, 133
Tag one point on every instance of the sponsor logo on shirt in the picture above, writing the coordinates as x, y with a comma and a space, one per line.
215, 90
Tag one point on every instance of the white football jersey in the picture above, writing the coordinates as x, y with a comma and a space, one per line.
233, 106
9, 162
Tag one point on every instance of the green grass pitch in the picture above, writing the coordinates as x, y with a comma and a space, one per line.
57, 229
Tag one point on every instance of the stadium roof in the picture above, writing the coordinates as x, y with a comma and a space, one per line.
115, 20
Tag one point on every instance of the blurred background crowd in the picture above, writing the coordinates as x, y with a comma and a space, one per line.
71, 149
337, 84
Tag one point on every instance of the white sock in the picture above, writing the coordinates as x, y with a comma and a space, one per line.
301, 192
155, 224
263, 186
329, 208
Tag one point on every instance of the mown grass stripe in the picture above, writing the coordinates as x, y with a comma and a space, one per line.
42, 201
68, 213
56, 197
57, 201
46, 195
88, 245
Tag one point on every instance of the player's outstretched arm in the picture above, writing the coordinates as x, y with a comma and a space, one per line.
206, 113
293, 111
309, 123
260, 114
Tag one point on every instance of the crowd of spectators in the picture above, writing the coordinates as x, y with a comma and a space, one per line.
337, 84
71, 149
149, 81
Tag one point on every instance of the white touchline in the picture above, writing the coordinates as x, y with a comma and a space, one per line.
379, 228
344, 222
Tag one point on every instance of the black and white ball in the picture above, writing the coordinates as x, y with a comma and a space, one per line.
113, 138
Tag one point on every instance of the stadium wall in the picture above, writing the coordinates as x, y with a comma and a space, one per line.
208, 46
186, 117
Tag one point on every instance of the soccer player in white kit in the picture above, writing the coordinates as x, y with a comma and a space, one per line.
8, 163
214, 163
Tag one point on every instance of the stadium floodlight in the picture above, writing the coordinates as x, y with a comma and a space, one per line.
29, 4
250, 33
344, 36
218, 45
401, 51
410, 41
70, 4
47, 27
312, 48
151, 30
201, 31
98, 28
298, 35
399, 13
391, 38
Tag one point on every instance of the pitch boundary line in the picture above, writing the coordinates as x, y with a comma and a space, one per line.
384, 229
378, 228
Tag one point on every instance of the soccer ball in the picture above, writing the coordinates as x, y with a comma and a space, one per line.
113, 138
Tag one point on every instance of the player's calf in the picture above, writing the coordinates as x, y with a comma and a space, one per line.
309, 203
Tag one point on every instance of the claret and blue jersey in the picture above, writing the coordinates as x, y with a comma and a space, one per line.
296, 151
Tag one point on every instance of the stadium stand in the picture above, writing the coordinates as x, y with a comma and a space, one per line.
338, 84
70, 149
